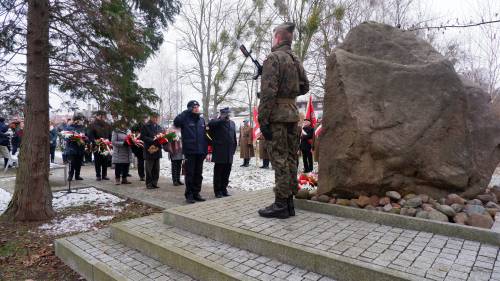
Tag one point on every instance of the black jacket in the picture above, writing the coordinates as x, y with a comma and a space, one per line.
73, 149
148, 133
99, 129
4, 138
306, 140
53, 137
223, 133
193, 132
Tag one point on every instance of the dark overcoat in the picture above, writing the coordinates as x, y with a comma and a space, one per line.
148, 133
193, 133
223, 133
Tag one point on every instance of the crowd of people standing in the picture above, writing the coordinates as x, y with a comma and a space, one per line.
187, 153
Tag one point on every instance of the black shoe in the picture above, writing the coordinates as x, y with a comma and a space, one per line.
78, 178
291, 207
179, 182
218, 195
70, 178
279, 209
142, 179
98, 178
198, 198
105, 178
243, 165
190, 200
225, 194
129, 175
176, 183
152, 187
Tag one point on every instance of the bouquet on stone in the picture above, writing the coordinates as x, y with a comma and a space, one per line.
134, 140
103, 147
75, 137
308, 181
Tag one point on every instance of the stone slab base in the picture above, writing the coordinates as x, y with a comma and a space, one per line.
338, 247
436, 227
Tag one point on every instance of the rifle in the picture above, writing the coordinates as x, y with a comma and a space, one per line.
247, 54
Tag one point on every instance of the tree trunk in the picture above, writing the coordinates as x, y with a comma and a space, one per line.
32, 199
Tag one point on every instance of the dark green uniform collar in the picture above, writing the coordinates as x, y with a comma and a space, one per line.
283, 46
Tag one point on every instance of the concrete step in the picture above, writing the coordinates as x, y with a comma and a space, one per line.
200, 257
341, 248
96, 257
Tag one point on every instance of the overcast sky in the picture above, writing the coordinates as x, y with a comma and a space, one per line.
440, 10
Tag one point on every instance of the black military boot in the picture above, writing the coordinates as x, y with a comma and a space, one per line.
291, 207
279, 209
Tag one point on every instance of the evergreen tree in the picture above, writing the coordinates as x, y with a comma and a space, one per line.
86, 48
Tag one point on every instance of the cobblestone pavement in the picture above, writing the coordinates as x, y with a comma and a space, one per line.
250, 264
128, 262
435, 257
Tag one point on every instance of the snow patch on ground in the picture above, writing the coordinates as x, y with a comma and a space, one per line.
86, 196
73, 223
4, 199
242, 178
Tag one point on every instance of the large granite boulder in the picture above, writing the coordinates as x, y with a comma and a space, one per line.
398, 117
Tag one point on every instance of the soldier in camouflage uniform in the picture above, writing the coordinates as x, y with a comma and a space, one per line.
283, 79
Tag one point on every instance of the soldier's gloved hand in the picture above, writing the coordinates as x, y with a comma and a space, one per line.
266, 132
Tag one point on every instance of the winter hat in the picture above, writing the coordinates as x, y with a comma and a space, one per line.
225, 110
192, 103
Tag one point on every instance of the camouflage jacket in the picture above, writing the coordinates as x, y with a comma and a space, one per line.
283, 79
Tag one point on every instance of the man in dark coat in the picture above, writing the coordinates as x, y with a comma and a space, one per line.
75, 151
223, 133
195, 148
4, 141
152, 150
100, 129
306, 137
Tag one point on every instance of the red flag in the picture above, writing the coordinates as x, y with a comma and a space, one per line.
310, 112
256, 126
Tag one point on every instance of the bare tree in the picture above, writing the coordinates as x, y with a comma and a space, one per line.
213, 28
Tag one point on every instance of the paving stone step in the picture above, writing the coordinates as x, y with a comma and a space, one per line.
200, 257
342, 248
97, 257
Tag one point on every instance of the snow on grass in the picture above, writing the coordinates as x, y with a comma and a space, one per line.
86, 196
4, 199
73, 223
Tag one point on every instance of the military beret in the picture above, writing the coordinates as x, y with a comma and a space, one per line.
288, 26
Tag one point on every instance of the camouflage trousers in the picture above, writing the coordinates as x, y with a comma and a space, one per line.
283, 155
